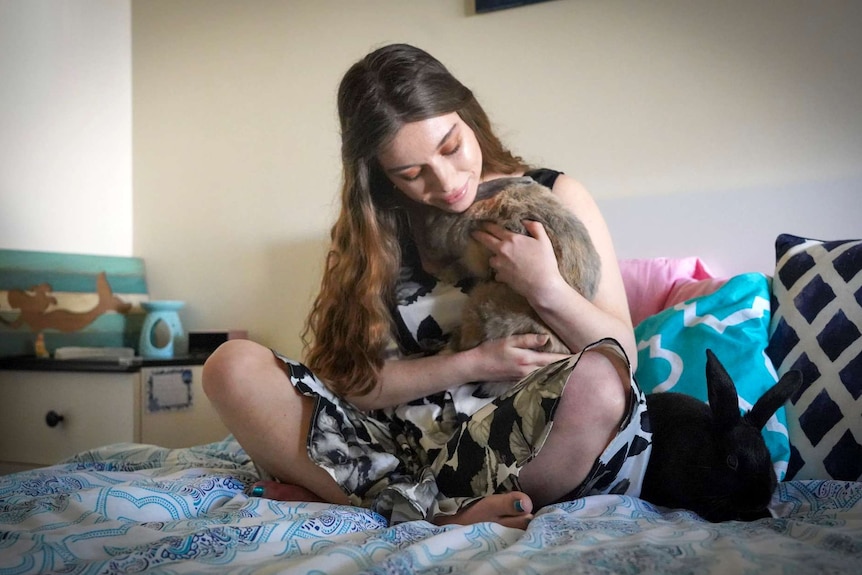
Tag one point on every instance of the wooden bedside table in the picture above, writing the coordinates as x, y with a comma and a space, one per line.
51, 410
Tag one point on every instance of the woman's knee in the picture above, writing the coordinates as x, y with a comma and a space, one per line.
597, 392
230, 366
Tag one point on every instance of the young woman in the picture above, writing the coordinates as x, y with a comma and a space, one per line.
382, 417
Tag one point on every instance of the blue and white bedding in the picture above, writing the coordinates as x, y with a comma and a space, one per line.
130, 508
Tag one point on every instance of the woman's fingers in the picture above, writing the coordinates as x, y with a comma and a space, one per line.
535, 229
530, 340
535, 341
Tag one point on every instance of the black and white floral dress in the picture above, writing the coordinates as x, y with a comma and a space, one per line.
439, 453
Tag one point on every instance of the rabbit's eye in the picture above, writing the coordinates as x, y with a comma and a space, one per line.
732, 461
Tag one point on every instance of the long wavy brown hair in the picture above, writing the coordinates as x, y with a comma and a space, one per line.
351, 319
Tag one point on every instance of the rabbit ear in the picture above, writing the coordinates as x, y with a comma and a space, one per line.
722, 393
774, 398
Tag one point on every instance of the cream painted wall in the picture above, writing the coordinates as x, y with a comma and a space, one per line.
236, 150
66, 126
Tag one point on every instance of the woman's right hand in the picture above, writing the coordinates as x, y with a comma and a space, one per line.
512, 358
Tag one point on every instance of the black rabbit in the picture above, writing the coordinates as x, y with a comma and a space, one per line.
494, 310
709, 458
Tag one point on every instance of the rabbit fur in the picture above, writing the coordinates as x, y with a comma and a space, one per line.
709, 458
493, 309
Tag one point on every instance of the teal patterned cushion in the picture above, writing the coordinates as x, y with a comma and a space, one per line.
817, 328
733, 321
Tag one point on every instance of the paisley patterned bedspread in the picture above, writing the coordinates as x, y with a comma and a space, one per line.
130, 508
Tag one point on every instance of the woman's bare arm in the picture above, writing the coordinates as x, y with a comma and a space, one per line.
507, 359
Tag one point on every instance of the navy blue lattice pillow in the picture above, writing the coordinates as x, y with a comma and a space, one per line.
816, 327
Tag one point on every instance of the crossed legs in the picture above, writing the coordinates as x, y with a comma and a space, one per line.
251, 392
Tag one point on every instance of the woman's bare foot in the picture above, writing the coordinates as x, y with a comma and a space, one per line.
285, 492
513, 509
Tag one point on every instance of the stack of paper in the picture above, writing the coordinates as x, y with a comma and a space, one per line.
94, 353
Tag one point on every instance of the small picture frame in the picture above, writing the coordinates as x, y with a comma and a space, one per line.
169, 389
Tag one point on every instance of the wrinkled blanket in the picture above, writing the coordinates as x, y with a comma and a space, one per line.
130, 508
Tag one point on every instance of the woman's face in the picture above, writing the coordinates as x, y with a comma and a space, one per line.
436, 162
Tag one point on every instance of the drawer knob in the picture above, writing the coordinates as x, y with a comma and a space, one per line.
53, 419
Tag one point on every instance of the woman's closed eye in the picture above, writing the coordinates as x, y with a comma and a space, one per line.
414, 174
452, 151
411, 175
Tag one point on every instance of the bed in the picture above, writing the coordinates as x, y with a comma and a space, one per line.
128, 508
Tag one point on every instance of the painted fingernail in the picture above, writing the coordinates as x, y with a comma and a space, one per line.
519, 507
257, 491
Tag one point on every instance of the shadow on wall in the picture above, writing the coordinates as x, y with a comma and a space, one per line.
291, 280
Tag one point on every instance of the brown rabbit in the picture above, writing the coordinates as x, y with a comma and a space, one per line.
493, 309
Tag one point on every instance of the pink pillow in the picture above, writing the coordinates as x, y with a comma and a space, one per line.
686, 290
655, 284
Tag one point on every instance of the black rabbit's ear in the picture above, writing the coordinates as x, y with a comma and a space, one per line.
774, 398
722, 394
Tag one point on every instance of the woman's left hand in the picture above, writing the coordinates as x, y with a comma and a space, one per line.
524, 263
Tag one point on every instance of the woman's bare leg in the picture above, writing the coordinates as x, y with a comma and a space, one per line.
250, 390
587, 419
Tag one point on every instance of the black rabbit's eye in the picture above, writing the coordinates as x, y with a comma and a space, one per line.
732, 461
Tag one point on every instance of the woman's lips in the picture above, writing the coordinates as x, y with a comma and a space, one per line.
455, 197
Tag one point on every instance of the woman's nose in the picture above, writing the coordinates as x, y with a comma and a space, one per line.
445, 176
